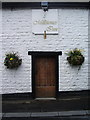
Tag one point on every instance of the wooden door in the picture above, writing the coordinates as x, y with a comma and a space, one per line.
45, 77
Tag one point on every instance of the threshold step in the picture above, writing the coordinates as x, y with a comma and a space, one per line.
45, 98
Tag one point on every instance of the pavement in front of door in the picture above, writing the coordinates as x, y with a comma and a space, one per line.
45, 105
46, 108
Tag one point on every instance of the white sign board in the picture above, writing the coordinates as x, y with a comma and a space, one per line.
45, 21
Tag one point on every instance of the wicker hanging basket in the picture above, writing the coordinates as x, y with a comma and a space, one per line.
12, 61
75, 57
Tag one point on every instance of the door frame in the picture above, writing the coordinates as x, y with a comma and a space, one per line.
36, 54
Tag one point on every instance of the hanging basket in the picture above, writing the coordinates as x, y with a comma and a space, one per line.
12, 61
76, 60
75, 57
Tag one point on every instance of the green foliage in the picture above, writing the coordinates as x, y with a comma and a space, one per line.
12, 61
75, 57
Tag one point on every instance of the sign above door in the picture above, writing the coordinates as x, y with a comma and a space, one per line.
45, 21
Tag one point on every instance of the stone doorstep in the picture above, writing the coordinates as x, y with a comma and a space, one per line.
47, 114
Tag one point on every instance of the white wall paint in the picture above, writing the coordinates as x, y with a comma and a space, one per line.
0, 61
89, 50
17, 36
0, 48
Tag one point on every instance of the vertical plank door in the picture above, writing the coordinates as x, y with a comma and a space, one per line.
45, 77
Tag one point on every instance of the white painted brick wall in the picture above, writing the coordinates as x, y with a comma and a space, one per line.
89, 50
17, 36
0, 50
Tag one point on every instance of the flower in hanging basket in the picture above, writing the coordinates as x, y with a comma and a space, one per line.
75, 57
12, 61
11, 58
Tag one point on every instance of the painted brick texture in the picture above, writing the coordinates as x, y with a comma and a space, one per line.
0, 49
17, 37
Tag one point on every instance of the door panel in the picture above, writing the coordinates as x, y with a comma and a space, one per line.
45, 77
